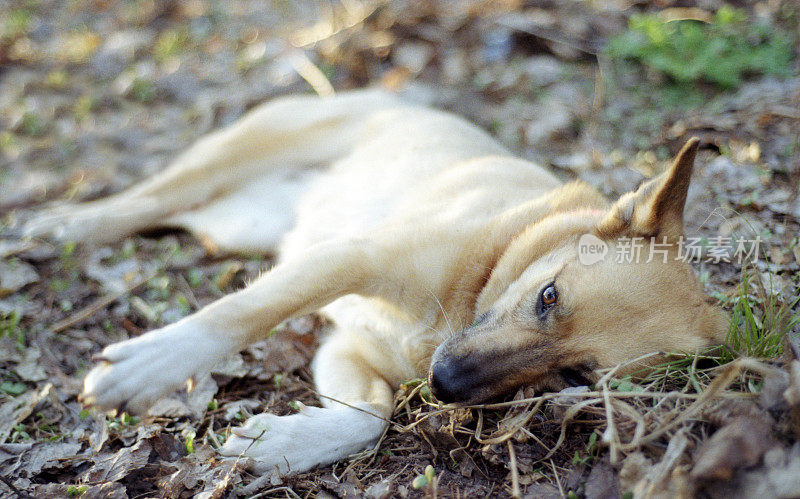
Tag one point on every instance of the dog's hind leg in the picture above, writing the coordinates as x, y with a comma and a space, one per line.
357, 406
207, 187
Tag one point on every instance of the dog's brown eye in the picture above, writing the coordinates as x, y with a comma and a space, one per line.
549, 295
547, 299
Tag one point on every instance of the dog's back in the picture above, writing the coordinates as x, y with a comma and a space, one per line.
414, 165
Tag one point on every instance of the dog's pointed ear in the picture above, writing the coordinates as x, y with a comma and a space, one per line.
656, 207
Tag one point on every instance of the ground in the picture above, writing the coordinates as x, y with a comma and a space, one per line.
96, 95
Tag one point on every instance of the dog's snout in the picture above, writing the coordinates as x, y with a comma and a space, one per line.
448, 382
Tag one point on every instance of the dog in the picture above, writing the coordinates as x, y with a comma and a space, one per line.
434, 252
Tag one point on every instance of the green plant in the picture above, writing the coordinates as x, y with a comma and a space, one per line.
170, 43
760, 321
189, 441
721, 52
9, 326
122, 421
16, 23
75, 491
426, 480
142, 91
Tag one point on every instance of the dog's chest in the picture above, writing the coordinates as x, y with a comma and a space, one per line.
400, 345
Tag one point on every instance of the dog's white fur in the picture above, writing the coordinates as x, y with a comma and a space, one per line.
411, 200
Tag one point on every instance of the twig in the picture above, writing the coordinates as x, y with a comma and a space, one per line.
350, 406
276, 489
510, 432
188, 292
558, 480
14, 489
356, 14
410, 396
311, 73
210, 435
718, 384
610, 436
98, 304
512, 456
571, 412
29, 245
784, 112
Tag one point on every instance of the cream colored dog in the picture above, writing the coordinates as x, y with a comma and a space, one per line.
433, 250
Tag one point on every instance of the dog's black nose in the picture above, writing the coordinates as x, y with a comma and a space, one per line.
448, 382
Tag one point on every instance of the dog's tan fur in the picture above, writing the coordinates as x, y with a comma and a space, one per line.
419, 224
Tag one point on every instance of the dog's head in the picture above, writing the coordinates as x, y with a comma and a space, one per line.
578, 291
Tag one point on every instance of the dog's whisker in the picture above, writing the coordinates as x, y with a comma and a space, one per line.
444, 313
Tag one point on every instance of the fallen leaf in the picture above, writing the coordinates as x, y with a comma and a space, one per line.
739, 444
542, 491
203, 474
40, 456
22, 406
656, 482
603, 482
110, 467
15, 275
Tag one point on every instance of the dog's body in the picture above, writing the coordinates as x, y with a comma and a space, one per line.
420, 224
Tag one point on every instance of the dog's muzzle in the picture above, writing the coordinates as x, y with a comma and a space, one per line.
449, 382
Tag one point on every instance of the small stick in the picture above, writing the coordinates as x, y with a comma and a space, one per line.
610, 436
20, 494
188, 292
312, 74
98, 304
558, 481
512, 455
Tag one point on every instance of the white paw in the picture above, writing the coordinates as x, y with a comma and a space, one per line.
134, 374
96, 222
65, 223
297, 443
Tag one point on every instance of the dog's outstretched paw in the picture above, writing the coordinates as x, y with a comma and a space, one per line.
134, 374
292, 444
96, 222
66, 223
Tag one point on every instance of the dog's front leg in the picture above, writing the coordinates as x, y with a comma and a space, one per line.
357, 406
135, 373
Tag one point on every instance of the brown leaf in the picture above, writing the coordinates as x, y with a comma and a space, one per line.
111, 467
726, 411
739, 444
107, 490
542, 491
40, 456
603, 482
15, 275
201, 473
285, 351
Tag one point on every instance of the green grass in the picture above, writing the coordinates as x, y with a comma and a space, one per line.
142, 91
760, 321
170, 43
722, 52
17, 23
9, 326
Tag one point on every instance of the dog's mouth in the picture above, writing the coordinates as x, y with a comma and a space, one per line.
580, 375
454, 386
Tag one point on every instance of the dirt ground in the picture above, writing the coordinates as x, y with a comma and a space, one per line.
97, 95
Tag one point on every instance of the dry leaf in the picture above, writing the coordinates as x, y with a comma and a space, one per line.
739, 444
